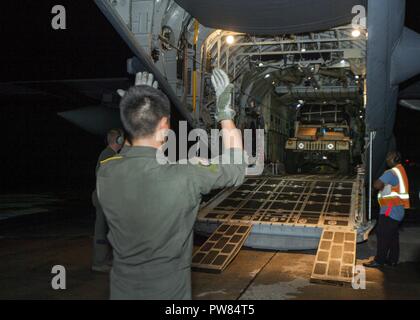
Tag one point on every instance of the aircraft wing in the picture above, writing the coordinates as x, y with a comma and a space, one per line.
99, 95
96, 119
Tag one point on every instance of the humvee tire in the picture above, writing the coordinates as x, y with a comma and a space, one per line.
344, 163
290, 162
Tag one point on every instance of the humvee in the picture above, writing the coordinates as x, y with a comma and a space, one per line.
321, 138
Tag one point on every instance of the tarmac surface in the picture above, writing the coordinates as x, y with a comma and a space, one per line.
29, 248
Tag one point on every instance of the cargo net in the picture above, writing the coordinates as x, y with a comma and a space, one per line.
319, 114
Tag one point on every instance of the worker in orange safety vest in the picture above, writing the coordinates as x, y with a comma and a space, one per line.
393, 199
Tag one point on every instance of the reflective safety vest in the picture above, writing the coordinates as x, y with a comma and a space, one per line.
398, 196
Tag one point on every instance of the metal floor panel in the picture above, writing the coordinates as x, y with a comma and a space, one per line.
221, 247
295, 200
336, 256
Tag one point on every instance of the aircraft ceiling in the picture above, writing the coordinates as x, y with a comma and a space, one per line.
271, 17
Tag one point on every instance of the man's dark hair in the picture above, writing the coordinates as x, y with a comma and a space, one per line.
141, 109
113, 136
395, 156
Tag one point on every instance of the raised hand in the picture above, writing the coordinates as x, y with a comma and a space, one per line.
223, 88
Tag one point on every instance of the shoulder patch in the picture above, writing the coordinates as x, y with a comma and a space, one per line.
210, 167
199, 161
111, 159
203, 162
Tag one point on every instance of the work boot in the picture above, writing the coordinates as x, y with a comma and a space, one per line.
391, 264
373, 264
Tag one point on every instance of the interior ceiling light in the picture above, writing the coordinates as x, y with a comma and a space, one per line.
267, 76
230, 39
355, 33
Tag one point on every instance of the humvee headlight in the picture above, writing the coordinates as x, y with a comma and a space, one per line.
301, 146
291, 145
330, 146
343, 145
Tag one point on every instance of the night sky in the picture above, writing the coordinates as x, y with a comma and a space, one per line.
41, 151
89, 48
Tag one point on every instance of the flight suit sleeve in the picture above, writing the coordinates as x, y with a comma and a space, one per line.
226, 171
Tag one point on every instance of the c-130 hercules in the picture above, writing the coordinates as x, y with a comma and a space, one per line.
282, 56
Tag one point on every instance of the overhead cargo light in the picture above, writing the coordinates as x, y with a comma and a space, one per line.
303, 50
230, 39
261, 64
267, 76
355, 33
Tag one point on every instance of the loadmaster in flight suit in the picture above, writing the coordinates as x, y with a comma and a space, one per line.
102, 255
151, 208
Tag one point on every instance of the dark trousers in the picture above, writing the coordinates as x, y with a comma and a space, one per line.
102, 251
388, 239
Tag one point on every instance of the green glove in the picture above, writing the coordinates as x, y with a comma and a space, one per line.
223, 88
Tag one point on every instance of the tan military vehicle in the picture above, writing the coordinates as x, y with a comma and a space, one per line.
321, 139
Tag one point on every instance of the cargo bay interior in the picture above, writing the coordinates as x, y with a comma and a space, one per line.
308, 90
306, 86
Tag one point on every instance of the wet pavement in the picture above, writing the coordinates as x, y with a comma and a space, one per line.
29, 249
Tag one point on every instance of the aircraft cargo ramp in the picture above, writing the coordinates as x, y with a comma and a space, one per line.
289, 212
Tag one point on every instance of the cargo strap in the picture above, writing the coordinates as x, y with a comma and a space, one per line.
388, 210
